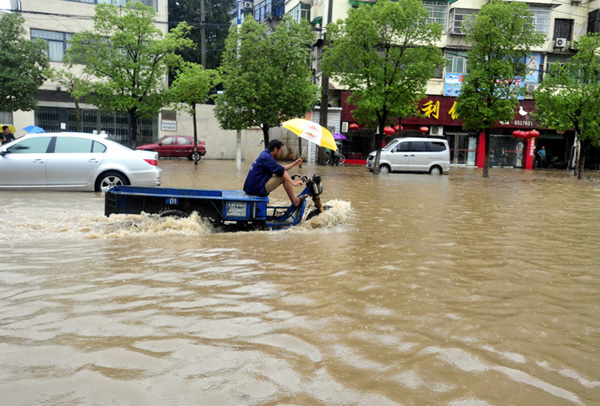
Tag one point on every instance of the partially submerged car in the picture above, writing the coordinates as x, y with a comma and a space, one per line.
176, 146
74, 161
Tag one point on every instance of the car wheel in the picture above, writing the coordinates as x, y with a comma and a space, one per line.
173, 213
110, 179
384, 169
197, 156
435, 170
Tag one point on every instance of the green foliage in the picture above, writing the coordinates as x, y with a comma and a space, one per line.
25, 65
500, 36
192, 85
217, 23
384, 54
266, 75
129, 57
569, 96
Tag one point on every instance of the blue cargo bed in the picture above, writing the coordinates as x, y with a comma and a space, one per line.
233, 208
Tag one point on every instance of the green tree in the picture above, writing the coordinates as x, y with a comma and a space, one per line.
25, 65
129, 57
501, 36
214, 28
78, 86
384, 54
191, 86
266, 76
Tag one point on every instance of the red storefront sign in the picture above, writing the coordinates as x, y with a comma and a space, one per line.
441, 110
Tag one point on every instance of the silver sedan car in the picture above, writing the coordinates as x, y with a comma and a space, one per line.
74, 161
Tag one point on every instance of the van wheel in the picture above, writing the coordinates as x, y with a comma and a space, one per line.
384, 169
435, 170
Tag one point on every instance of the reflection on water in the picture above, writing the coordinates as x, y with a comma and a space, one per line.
415, 289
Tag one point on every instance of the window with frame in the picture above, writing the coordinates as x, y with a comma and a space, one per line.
6, 117
300, 12
458, 16
58, 42
183, 141
541, 18
438, 10
456, 61
593, 24
563, 28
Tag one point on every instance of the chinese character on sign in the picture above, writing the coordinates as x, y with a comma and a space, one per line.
452, 112
431, 109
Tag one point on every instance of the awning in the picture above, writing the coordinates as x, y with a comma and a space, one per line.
317, 20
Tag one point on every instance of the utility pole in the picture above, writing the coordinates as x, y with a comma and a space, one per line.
324, 110
238, 134
202, 34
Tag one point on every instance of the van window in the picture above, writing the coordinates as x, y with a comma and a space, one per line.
437, 146
418, 146
403, 147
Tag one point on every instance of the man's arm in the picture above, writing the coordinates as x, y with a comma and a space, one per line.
297, 162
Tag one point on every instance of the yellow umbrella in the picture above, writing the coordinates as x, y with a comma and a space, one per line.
10, 127
311, 131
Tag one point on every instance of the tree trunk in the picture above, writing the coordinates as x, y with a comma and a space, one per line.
78, 116
583, 147
266, 136
486, 160
195, 150
133, 128
378, 142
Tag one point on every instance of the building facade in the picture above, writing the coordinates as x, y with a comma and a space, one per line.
56, 21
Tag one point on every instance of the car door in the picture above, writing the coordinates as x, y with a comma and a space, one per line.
418, 159
24, 163
398, 156
184, 146
74, 162
168, 146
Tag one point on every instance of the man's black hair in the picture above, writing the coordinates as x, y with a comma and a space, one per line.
4, 127
274, 144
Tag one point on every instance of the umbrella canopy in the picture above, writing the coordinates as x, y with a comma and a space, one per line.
311, 131
34, 129
339, 136
11, 128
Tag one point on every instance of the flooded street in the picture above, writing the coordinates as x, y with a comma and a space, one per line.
412, 290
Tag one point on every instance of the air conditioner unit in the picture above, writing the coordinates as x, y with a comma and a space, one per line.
247, 5
560, 42
436, 130
532, 88
344, 126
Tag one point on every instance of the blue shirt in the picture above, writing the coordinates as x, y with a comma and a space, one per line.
260, 172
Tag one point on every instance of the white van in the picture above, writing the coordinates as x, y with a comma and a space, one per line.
430, 155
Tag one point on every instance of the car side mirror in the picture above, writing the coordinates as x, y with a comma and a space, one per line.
3, 151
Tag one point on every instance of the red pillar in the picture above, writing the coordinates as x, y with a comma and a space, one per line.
529, 154
480, 160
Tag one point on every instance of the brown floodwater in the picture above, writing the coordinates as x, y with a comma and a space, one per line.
411, 290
